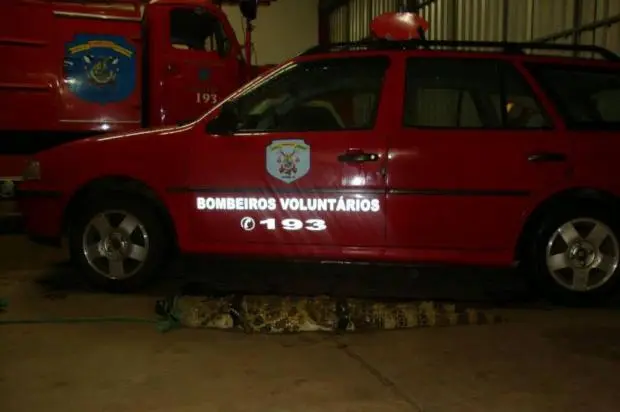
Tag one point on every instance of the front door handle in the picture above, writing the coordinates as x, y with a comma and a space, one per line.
358, 157
547, 157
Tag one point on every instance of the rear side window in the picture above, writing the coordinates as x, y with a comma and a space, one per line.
587, 98
469, 93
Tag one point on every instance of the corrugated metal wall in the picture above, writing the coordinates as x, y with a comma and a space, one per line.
351, 22
282, 30
495, 20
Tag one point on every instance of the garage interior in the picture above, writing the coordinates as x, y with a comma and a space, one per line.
540, 21
66, 348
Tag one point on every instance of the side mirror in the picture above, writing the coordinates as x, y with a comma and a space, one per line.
249, 8
226, 121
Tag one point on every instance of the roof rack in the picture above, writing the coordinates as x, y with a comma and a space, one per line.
505, 47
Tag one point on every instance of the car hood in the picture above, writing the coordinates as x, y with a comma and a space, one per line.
144, 139
131, 154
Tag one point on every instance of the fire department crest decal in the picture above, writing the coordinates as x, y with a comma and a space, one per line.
288, 160
100, 68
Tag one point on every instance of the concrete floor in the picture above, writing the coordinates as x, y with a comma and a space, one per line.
542, 359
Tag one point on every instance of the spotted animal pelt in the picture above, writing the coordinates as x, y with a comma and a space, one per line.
364, 314
198, 312
276, 314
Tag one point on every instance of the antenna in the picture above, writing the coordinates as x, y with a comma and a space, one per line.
249, 10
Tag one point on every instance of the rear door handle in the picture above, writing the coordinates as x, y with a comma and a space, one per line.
547, 157
358, 157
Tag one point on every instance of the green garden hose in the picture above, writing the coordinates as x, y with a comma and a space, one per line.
166, 320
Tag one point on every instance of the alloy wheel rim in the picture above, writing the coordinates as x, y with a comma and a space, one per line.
115, 244
582, 255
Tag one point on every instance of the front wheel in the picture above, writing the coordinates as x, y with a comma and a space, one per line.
118, 243
575, 257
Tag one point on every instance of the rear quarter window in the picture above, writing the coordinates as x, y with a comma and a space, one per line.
586, 97
469, 93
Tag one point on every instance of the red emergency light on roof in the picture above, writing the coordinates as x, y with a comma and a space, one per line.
399, 26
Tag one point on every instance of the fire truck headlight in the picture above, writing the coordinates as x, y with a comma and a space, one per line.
32, 171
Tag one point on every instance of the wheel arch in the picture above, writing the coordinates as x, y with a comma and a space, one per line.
119, 184
558, 201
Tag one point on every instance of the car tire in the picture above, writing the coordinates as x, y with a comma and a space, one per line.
118, 243
574, 256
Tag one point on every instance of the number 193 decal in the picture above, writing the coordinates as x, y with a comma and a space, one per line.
207, 98
313, 225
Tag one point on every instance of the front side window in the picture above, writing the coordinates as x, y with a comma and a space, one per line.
587, 98
469, 93
198, 30
325, 95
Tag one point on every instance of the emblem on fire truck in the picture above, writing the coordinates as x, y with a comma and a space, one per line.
100, 68
288, 160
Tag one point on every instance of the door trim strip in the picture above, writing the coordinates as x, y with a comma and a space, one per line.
292, 190
460, 192
354, 190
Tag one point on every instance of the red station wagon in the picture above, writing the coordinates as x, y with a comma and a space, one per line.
411, 152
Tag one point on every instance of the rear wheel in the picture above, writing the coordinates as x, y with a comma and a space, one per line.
575, 258
118, 243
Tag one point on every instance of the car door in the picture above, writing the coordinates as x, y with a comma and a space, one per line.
587, 97
476, 148
199, 66
306, 164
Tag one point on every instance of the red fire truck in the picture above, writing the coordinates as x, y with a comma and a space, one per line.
72, 69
